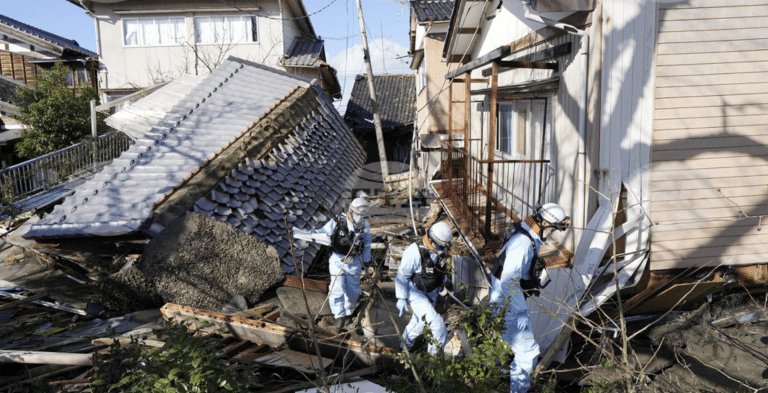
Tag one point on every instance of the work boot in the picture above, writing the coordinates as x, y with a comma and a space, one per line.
340, 322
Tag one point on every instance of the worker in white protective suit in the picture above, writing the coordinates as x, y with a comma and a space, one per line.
351, 245
422, 273
516, 264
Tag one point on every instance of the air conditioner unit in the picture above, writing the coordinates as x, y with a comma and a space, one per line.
563, 5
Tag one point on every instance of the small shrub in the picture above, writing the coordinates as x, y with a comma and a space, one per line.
185, 364
480, 371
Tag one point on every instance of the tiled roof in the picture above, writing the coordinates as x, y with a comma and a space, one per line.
303, 174
139, 117
305, 180
53, 38
304, 52
397, 101
432, 10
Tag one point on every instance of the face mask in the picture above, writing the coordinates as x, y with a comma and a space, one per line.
440, 251
356, 218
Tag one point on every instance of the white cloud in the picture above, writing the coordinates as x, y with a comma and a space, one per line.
387, 57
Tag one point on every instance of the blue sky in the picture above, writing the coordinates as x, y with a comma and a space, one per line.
386, 21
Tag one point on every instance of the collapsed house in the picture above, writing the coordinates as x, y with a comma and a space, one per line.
250, 145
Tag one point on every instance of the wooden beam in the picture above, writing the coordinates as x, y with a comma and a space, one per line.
471, 80
469, 30
540, 56
528, 64
491, 56
459, 59
256, 331
22, 301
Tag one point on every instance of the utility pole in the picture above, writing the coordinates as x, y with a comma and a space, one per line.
374, 103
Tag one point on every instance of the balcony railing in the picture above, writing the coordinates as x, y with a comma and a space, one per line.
43, 172
488, 206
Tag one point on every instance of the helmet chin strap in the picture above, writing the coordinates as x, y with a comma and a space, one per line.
428, 243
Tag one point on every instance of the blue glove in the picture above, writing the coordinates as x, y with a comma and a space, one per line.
402, 305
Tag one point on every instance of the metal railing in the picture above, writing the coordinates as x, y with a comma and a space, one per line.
516, 189
43, 172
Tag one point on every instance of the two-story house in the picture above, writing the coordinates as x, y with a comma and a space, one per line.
143, 42
25, 51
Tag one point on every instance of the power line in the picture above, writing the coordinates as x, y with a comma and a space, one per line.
273, 18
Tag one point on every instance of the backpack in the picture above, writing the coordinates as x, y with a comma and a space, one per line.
532, 285
431, 276
343, 241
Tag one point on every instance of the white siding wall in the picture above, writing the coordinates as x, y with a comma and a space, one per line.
132, 67
710, 166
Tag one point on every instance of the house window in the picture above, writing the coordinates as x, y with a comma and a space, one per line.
231, 29
520, 127
157, 31
421, 78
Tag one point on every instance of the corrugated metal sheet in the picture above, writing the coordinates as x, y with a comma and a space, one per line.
304, 52
138, 118
118, 200
432, 10
53, 38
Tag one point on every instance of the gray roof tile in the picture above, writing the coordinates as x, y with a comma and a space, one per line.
304, 52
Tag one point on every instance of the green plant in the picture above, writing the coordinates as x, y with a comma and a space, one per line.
479, 371
185, 364
59, 116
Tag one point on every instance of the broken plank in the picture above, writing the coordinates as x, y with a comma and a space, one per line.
37, 357
299, 361
46, 304
22, 301
341, 378
256, 312
310, 285
126, 341
257, 331
57, 370
306, 323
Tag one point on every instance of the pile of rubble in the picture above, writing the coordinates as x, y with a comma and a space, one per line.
203, 269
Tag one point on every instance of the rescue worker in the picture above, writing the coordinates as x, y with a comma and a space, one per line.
421, 274
351, 246
519, 253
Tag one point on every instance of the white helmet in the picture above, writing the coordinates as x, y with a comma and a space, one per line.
441, 234
554, 215
359, 206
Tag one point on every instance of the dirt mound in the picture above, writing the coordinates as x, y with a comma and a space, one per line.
201, 262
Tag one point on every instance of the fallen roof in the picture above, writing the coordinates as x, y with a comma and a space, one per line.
250, 145
26, 29
304, 52
432, 10
396, 94
139, 117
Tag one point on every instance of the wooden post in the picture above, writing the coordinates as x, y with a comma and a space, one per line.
491, 147
467, 85
374, 102
450, 111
